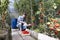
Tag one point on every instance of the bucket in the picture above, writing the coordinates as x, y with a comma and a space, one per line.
13, 23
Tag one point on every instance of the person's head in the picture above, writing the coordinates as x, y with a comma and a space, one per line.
24, 15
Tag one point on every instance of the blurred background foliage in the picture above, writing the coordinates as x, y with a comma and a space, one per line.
4, 16
42, 10
38, 11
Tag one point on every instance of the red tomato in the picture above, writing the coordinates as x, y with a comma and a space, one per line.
58, 12
57, 25
56, 32
51, 28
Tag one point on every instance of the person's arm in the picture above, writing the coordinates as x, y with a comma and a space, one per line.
28, 24
19, 20
25, 24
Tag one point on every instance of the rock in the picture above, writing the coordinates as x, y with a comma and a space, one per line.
33, 34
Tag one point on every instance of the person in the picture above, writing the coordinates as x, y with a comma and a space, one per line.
21, 23
21, 18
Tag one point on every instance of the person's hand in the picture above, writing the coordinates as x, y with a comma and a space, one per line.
29, 24
32, 24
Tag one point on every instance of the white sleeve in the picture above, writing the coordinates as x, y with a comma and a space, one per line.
18, 18
25, 24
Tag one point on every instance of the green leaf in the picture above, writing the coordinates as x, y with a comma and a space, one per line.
38, 12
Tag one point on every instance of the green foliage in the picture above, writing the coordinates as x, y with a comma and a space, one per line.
57, 1
49, 6
3, 5
8, 19
37, 30
4, 8
0, 24
24, 6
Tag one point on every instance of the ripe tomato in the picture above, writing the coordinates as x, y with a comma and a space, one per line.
56, 32
56, 25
